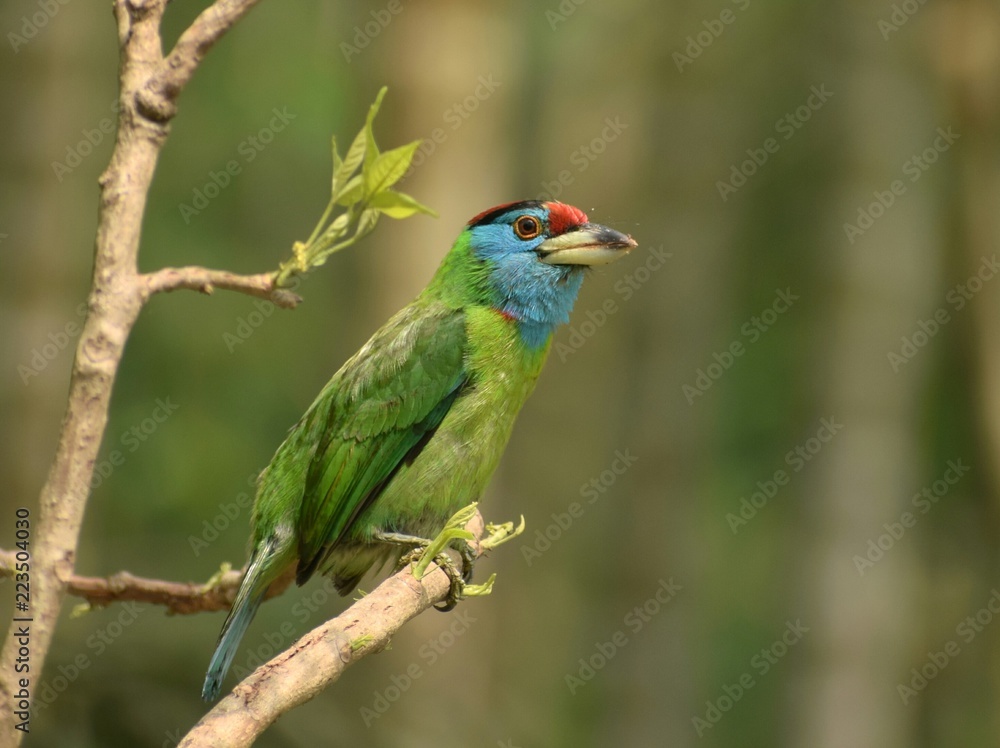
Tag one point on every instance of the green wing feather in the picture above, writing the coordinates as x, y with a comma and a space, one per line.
383, 406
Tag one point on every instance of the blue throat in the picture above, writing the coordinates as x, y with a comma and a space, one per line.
541, 306
539, 296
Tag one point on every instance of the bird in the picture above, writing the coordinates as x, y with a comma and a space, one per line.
412, 426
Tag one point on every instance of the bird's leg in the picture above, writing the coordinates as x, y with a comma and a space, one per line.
416, 544
399, 538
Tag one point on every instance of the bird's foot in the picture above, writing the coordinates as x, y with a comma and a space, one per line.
425, 550
455, 535
419, 550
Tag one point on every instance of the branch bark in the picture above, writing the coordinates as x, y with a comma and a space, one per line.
177, 597
316, 660
298, 674
206, 281
158, 97
149, 87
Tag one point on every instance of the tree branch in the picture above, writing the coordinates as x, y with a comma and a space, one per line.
319, 658
206, 281
149, 85
298, 674
158, 98
177, 597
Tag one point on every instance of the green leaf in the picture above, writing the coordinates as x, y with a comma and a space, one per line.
355, 155
81, 609
454, 529
362, 198
388, 168
371, 147
369, 217
351, 192
480, 590
363, 146
362, 641
500, 534
337, 163
398, 205
338, 227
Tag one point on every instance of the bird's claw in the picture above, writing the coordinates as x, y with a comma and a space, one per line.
456, 588
455, 535
459, 579
468, 554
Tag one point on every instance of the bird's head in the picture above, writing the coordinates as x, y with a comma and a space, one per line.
531, 258
549, 233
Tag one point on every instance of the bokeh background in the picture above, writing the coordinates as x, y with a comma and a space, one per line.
850, 604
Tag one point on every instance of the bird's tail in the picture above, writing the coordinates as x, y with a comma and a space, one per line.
248, 599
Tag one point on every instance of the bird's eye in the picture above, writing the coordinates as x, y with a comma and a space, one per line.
527, 227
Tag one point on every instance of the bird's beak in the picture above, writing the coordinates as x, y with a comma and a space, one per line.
589, 244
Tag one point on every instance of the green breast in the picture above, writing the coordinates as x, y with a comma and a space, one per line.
456, 464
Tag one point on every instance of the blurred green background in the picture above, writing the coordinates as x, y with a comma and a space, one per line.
814, 188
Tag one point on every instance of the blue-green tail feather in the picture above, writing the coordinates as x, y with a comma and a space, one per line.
248, 599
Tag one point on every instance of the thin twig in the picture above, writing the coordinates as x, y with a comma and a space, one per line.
158, 98
206, 281
177, 597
